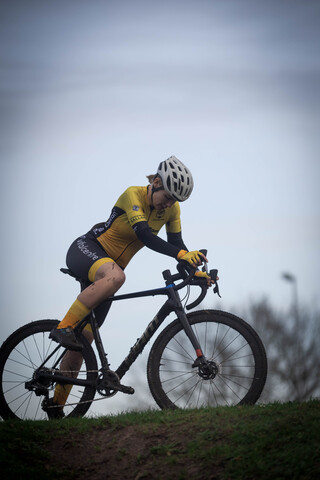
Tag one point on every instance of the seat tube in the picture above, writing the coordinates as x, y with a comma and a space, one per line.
98, 342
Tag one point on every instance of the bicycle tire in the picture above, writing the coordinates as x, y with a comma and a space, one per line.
23, 352
228, 342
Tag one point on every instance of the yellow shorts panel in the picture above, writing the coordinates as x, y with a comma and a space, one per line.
96, 266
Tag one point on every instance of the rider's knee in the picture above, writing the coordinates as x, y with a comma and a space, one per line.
111, 273
119, 278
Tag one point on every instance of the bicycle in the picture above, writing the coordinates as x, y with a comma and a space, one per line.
203, 358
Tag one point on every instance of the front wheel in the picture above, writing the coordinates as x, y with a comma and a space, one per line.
27, 349
236, 358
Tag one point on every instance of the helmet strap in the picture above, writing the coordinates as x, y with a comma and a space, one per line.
154, 189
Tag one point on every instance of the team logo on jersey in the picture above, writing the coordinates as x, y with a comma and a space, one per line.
135, 208
160, 214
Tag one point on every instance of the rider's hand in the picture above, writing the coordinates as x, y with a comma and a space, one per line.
200, 274
195, 258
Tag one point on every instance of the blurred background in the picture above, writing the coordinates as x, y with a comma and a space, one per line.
95, 94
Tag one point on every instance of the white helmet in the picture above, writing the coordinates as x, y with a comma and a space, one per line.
176, 178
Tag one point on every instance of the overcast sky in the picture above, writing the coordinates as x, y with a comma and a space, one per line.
94, 94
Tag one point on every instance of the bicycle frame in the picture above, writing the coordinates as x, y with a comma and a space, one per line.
172, 304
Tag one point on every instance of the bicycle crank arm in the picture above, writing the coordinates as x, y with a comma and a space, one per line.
121, 388
108, 389
109, 384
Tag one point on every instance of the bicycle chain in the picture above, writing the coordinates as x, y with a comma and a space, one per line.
71, 371
77, 403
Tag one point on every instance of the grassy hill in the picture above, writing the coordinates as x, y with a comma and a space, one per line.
276, 441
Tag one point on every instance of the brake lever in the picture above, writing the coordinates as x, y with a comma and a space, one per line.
205, 267
213, 274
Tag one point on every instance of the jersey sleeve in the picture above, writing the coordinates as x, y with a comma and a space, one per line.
145, 235
176, 239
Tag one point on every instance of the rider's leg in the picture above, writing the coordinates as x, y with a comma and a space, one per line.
108, 278
70, 366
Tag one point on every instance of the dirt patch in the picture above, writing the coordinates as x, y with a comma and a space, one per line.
132, 452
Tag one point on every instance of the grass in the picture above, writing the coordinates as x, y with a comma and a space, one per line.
275, 441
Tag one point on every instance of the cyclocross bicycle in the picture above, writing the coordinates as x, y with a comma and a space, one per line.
203, 358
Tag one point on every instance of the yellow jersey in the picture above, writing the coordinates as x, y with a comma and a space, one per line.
118, 235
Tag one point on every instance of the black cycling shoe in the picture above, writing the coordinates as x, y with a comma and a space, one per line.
52, 409
66, 338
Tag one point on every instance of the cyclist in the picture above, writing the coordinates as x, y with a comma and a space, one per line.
100, 256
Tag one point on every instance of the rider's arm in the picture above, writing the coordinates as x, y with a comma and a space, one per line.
145, 235
176, 239
173, 228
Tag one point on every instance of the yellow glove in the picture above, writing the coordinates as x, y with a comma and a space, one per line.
201, 274
206, 276
194, 258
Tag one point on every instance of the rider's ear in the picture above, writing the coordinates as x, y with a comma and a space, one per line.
157, 182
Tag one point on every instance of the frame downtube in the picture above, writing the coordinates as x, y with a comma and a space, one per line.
138, 347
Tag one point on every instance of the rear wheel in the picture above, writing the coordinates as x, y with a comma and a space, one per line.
21, 355
237, 363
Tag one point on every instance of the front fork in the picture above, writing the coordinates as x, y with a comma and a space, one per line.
179, 310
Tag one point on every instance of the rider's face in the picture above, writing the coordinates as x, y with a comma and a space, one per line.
162, 200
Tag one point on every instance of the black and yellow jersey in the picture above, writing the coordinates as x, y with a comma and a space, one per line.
129, 226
